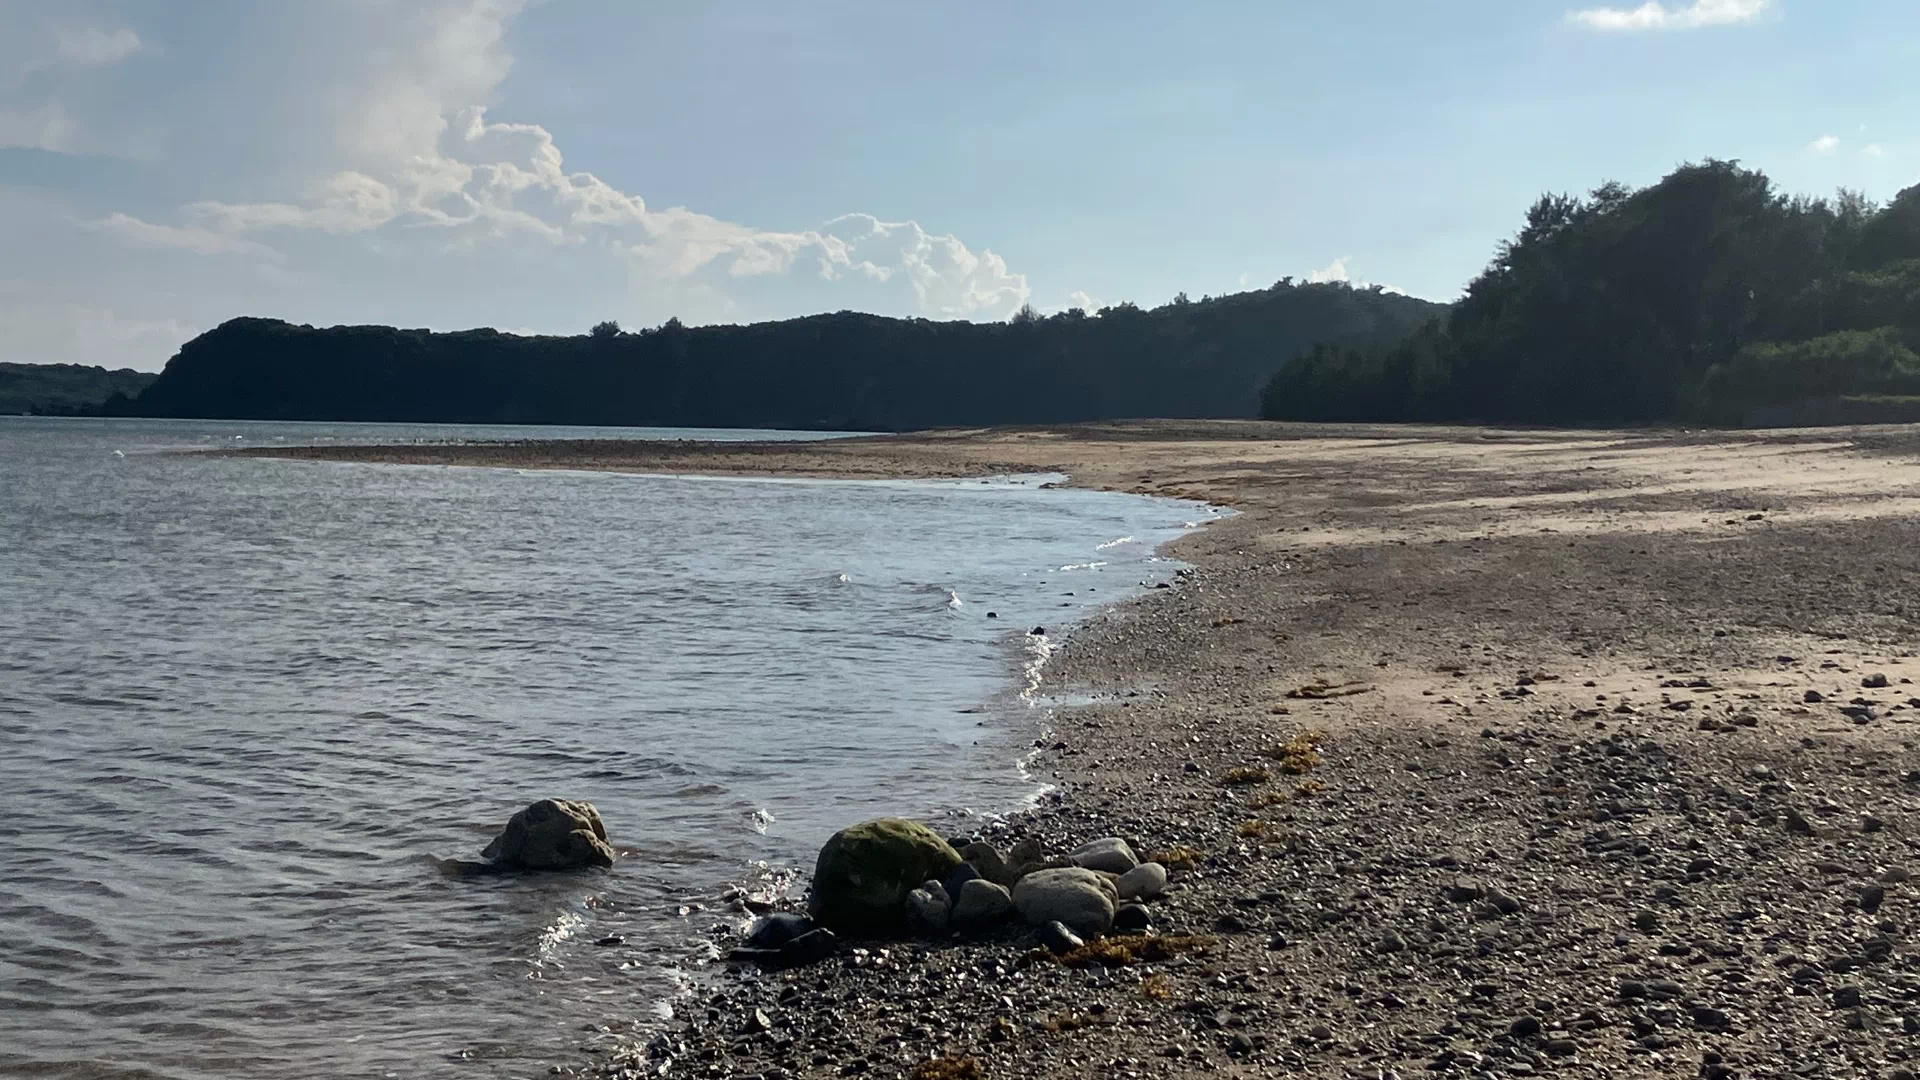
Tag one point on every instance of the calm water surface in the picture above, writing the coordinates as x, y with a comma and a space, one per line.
246, 704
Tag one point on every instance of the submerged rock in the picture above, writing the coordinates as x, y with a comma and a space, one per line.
865, 872
552, 834
1082, 899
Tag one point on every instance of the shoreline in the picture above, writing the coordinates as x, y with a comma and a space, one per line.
1574, 812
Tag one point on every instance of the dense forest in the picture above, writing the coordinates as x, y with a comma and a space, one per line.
64, 388
1708, 297
845, 370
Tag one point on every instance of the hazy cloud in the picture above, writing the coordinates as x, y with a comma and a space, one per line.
1654, 15
138, 233
92, 46
1824, 145
1874, 150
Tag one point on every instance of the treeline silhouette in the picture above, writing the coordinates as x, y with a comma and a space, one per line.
1709, 296
1206, 358
64, 389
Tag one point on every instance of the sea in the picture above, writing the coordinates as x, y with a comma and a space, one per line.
250, 706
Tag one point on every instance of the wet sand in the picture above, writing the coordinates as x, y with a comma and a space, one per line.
1618, 771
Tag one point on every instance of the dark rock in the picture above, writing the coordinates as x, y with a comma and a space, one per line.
1708, 1018
1524, 1028
1813, 697
552, 834
1798, 824
776, 930
1058, 939
1847, 997
1875, 681
1132, 919
1872, 897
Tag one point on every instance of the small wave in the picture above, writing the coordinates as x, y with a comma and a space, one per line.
759, 819
1114, 543
841, 578
1083, 566
953, 600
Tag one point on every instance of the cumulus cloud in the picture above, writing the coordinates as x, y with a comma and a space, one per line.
1334, 271
1654, 15
1824, 145
421, 150
1079, 298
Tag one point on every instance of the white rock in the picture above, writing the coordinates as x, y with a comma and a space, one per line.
1081, 899
1143, 882
1109, 853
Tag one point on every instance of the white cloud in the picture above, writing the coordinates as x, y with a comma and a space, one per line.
1824, 145
1079, 298
92, 46
1335, 271
418, 149
1654, 15
199, 241
1874, 150
45, 126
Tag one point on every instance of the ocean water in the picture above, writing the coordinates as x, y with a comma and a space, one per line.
246, 705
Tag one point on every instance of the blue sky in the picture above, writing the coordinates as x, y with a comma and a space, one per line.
540, 165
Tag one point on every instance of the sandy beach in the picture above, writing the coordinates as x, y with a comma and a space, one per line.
1615, 776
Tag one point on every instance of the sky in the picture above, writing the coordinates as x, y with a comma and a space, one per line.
540, 165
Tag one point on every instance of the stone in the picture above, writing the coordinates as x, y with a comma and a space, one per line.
1143, 882
981, 901
1132, 919
1847, 997
865, 872
1797, 823
1524, 1028
1813, 697
1875, 681
774, 931
1059, 939
929, 909
1872, 897
1081, 899
986, 861
552, 834
1109, 853
959, 877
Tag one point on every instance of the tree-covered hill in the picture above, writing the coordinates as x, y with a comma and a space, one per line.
1709, 296
64, 388
1204, 358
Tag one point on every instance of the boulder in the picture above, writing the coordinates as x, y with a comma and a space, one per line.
1108, 853
929, 909
986, 861
1143, 882
1080, 898
981, 902
552, 834
865, 872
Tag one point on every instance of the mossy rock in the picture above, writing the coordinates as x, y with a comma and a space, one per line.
865, 871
